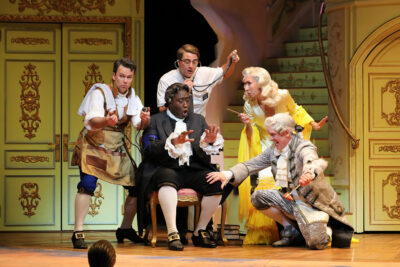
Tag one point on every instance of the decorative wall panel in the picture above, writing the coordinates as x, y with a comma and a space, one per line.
29, 200
385, 197
29, 159
24, 101
93, 42
22, 41
384, 149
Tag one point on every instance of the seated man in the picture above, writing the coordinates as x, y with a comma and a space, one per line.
305, 205
177, 148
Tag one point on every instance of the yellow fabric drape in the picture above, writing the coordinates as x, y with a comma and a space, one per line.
246, 152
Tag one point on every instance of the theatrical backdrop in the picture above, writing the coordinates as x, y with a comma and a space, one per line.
51, 52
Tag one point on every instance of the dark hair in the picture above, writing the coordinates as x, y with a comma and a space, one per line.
172, 90
189, 49
126, 62
101, 254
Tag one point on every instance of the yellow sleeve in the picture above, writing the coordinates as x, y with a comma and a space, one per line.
300, 116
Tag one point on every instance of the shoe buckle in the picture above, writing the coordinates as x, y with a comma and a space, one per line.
79, 235
204, 235
173, 236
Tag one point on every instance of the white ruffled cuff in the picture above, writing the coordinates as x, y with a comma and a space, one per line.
181, 151
215, 148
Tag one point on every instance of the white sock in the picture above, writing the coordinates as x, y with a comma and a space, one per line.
208, 206
82, 204
168, 198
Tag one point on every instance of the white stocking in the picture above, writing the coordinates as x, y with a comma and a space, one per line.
208, 206
82, 204
168, 198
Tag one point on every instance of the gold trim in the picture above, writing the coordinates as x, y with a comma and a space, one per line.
30, 101
93, 41
92, 76
77, 7
95, 201
127, 21
394, 211
30, 159
386, 148
30, 41
393, 119
29, 198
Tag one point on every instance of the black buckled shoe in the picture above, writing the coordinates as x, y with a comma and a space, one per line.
174, 242
78, 240
128, 234
203, 240
290, 236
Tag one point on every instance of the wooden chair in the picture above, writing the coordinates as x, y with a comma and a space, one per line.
186, 197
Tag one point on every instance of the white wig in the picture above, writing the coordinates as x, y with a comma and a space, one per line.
281, 122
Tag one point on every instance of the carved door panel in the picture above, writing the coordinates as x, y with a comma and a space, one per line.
30, 93
381, 79
88, 55
45, 70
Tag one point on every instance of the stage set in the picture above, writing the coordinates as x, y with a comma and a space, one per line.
52, 52
54, 249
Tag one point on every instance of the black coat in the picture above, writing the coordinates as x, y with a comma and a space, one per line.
155, 156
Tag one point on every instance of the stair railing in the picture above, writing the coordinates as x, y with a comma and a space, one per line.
328, 80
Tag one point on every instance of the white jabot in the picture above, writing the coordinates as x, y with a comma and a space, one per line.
181, 151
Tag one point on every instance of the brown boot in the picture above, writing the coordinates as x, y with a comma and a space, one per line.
290, 236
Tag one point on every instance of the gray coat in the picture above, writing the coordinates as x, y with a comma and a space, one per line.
303, 158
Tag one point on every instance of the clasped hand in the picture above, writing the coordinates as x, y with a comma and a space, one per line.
111, 118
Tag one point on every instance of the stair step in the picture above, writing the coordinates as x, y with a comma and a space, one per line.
299, 79
288, 64
300, 95
317, 111
305, 48
311, 33
309, 95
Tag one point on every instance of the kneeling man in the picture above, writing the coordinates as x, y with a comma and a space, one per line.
177, 148
305, 204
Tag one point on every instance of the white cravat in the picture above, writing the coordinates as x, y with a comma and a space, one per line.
183, 151
282, 172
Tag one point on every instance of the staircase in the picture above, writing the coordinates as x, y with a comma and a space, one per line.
300, 71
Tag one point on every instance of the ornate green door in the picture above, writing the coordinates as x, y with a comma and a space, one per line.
45, 70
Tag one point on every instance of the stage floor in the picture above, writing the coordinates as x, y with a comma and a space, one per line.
55, 249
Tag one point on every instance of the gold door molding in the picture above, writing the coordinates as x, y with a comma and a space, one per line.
374, 75
126, 21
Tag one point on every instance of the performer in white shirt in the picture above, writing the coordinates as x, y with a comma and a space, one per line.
200, 80
101, 152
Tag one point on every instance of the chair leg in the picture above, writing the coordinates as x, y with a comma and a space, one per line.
153, 221
223, 218
197, 214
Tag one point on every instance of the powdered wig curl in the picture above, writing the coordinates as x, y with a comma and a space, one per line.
269, 88
280, 122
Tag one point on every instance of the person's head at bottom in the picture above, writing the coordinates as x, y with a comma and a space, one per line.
101, 254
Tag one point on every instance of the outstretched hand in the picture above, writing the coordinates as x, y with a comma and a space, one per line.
182, 138
318, 125
213, 177
234, 56
211, 134
111, 118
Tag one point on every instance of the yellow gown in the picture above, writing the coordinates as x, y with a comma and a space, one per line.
260, 228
